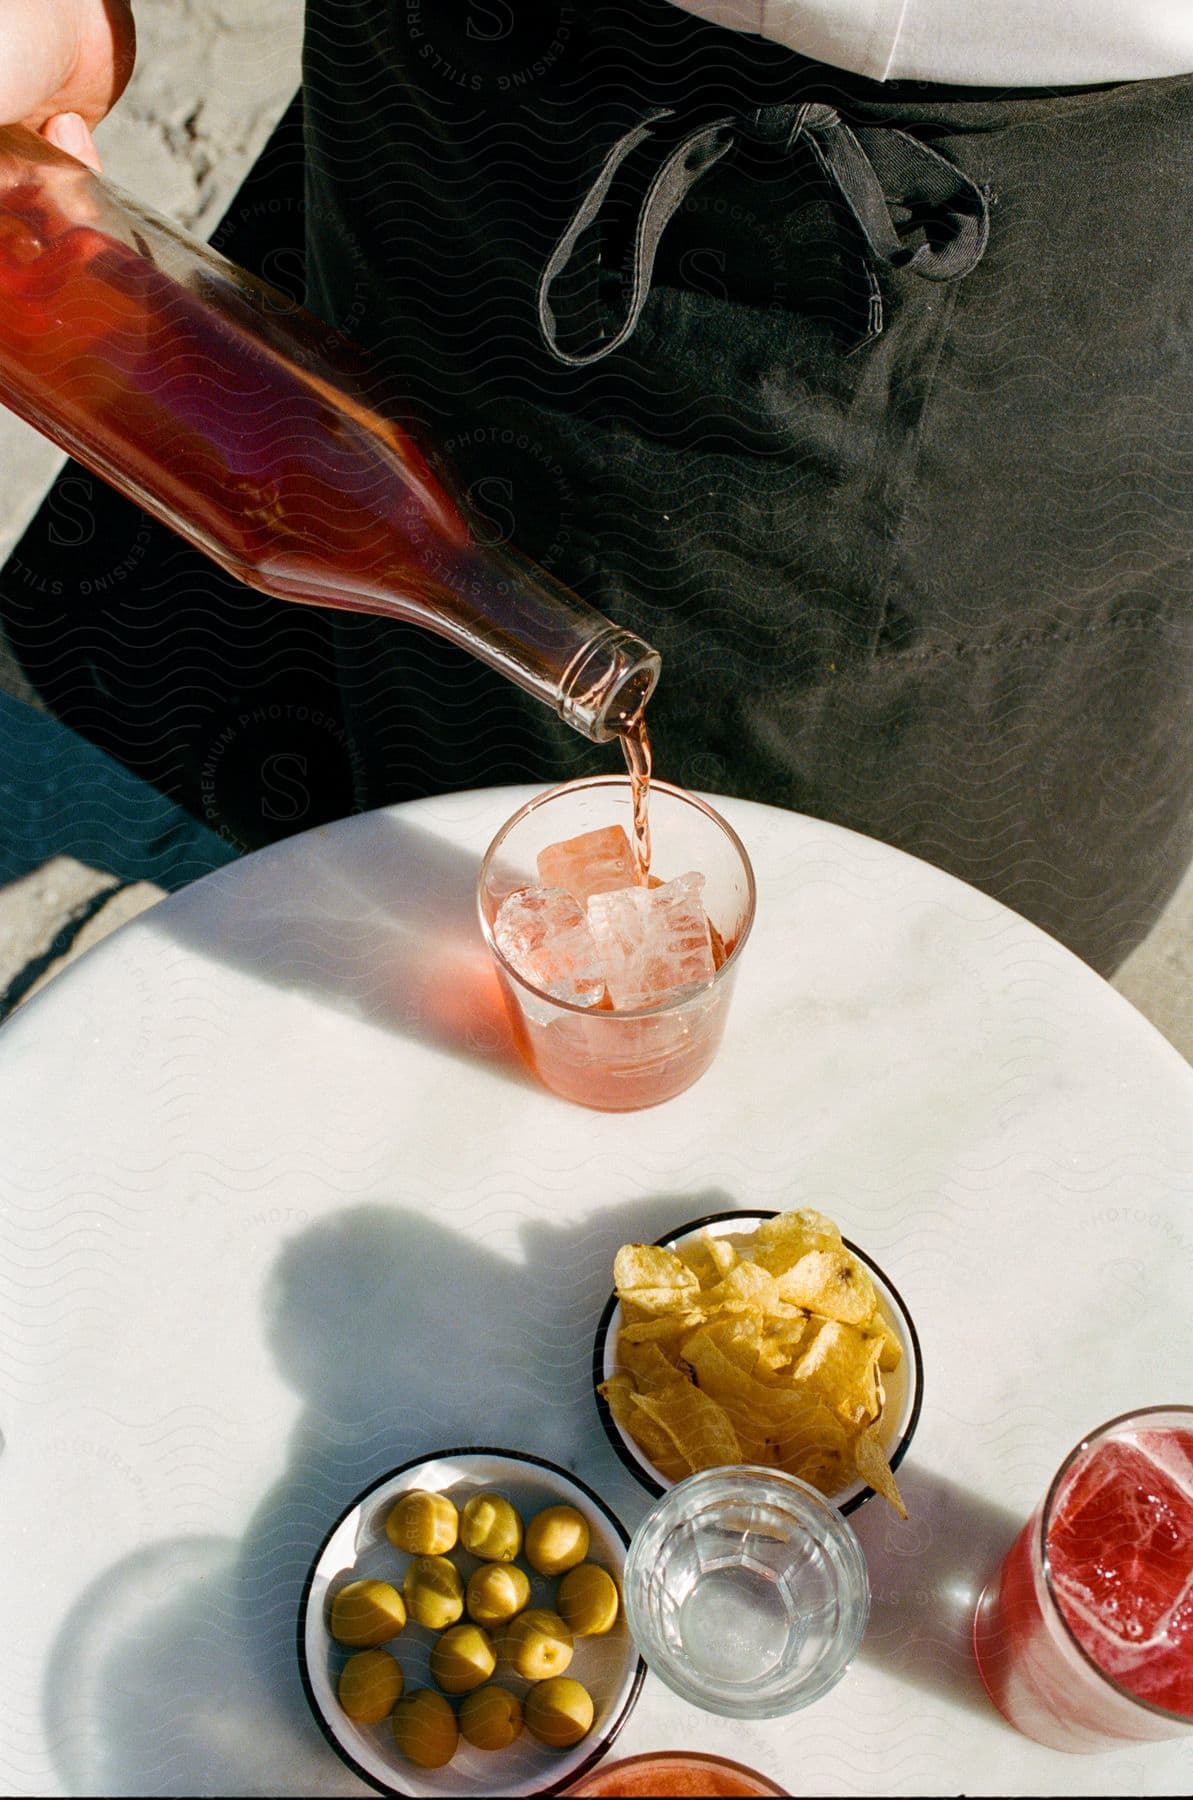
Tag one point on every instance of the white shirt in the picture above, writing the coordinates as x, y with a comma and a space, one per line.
976, 43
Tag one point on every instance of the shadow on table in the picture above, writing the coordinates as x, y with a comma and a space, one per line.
375, 917
177, 1670
926, 1574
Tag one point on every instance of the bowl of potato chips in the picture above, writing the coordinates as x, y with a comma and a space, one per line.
762, 1338
462, 1630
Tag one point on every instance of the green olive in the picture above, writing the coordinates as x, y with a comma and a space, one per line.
490, 1528
537, 1644
462, 1658
365, 1613
556, 1540
495, 1592
558, 1712
490, 1718
370, 1682
425, 1729
588, 1601
434, 1591
423, 1524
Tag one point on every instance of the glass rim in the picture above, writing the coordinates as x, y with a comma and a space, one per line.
735, 1477
704, 1759
1087, 1442
618, 781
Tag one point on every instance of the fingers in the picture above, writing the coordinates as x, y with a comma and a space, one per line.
68, 131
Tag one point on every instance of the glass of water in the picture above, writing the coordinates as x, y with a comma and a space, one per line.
746, 1592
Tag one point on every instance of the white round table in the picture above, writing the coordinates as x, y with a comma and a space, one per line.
280, 1211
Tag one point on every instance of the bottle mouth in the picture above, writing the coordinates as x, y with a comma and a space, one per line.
608, 684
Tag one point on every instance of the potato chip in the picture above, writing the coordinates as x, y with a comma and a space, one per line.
739, 1335
708, 1258
823, 1463
618, 1394
723, 1252
716, 1374
648, 1266
658, 1302
840, 1366
698, 1427
781, 1241
746, 1288
780, 1342
806, 1420
871, 1462
769, 1421
891, 1353
671, 1326
832, 1283
650, 1366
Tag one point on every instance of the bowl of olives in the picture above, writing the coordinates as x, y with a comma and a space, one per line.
461, 1628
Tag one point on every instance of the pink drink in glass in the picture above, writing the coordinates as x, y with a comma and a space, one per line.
617, 1061
674, 1773
1084, 1639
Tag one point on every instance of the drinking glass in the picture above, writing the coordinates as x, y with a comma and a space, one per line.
619, 1061
746, 1592
1036, 1670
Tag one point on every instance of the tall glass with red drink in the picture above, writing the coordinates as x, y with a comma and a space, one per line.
1084, 1639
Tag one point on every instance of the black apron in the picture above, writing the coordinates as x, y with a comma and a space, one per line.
867, 404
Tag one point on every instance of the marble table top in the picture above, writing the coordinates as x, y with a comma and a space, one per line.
279, 1210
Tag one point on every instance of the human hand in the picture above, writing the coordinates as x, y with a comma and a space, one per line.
63, 65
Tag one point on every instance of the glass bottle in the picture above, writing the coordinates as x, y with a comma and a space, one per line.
237, 419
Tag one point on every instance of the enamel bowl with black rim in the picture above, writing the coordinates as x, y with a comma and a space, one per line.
357, 1548
904, 1386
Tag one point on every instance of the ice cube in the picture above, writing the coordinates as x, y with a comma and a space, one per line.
544, 934
596, 862
1163, 1672
654, 942
1119, 1543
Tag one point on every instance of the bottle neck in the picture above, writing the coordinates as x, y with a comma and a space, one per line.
540, 635
608, 684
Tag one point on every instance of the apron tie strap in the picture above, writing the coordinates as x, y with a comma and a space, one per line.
871, 169
680, 170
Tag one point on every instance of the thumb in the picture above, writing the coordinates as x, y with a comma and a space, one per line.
68, 131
